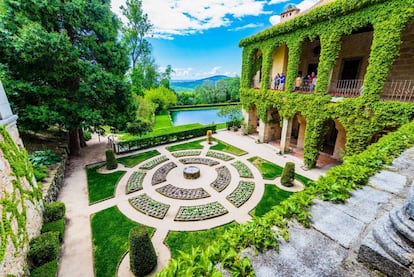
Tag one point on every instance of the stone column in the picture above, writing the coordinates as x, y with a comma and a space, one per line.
340, 141
7, 118
302, 129
263, 131
389, 246
286, 133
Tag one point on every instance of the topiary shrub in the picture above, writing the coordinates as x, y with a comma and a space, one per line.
111, 162
48, 269
55, 226
141, 252
209, 136
288, 174
44, 248
54, 211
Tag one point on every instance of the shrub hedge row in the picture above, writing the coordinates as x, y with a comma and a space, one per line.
131, 145
141, 251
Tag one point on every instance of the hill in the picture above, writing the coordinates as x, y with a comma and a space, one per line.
190, 85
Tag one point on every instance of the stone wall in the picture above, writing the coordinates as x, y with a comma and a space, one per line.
52, 186
403, 65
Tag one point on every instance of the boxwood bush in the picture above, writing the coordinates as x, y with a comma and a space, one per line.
46, 270
55, 226
111, 162
54, 211
288, 174
44, 248
141, 252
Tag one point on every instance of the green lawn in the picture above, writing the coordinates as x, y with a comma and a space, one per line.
161, 131
110, 230
162, 120
133, 160
184, 241
271, 197
222, 146
101, 186
188, 145
268, 169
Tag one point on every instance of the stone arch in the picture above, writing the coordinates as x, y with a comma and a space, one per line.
256, 68
300, 139
376, 136
334, 140
279, 64
308, 66
272, 128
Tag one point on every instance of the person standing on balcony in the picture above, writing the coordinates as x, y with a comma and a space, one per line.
277, 80
313, 84
282, 81
311, 77
298, 82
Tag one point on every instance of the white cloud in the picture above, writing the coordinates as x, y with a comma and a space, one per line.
247, 26
184, 17
181, 73
274, 19
277, 1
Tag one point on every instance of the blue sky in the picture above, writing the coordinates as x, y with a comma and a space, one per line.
199, 38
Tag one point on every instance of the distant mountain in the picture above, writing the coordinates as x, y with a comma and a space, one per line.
190, 85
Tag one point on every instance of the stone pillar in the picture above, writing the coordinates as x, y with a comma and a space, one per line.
7, 118
340, 141
263, 131
389, 246
302, 129
286, 133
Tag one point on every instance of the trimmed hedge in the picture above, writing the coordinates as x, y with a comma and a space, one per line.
111, 162
54, 211
288, 175
55, 226
44, 248
49, 269
137, 144
141, 252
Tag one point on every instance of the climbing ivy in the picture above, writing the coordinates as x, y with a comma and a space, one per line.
22, 188
328, 23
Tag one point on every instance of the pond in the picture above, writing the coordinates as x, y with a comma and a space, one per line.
203, 116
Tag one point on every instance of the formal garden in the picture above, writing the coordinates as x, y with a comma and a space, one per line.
233, 186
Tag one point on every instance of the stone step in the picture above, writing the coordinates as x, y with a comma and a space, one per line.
403, 224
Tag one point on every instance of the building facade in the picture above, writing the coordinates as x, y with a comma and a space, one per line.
349, 77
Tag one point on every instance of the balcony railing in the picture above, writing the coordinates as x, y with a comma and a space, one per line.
346, 88
399, 90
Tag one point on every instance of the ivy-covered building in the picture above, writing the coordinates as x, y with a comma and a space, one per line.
362, 53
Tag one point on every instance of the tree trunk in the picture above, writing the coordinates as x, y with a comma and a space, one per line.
74, 145
82, 140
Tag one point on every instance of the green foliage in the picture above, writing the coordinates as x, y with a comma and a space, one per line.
40, 172
195, 144
65, 65
141, 252
111, 161
225, 90
43, 157
268, 169
87, 135
146, 142
288, 175
162, 97
138, 127
54, 211
110, 229
101, 186
272, 196
133, 160
49, 269
233, 112
44, 248
55, 226
163, 120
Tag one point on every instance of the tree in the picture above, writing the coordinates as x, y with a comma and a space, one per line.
63, 65
166, 77
162, 97
135, 30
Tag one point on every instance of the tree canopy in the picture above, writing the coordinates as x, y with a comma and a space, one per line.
63, 65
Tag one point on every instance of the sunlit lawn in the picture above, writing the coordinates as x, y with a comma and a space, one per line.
101, 186
184, 241
188, 145
268, 169
162, 120
110, 230
271, 197
222, 146
133, 160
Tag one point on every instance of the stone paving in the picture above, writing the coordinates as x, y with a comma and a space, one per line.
330, 246
74, 194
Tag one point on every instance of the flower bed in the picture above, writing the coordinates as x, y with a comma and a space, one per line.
135, 181
241, 194
154, 162
243, 170
149, 206
197, 160
219, 155
223, 179
200, 212
180, 154
182, 193
160, 175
